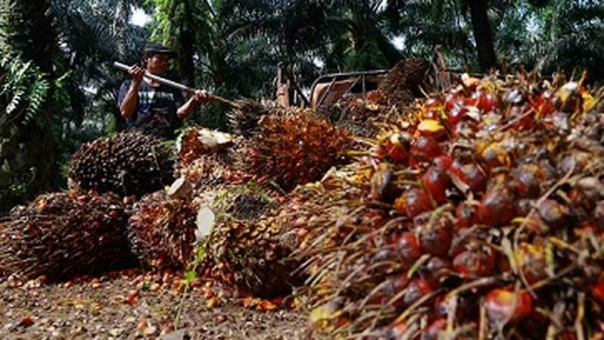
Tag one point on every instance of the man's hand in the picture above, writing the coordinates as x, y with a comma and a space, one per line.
137, 73
201, 96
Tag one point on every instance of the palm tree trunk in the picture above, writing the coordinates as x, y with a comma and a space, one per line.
482, 34
186, 45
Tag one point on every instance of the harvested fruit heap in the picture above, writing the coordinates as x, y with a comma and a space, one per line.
63, 234
128, 164
479, 215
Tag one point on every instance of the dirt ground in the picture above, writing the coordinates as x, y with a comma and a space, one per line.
135, 305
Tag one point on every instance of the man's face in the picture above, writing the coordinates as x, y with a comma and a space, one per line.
157, 64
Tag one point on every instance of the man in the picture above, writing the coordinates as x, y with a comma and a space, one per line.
151, 107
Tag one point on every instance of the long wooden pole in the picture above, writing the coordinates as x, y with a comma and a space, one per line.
179, 86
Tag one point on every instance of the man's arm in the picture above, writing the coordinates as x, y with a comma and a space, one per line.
130, 101
200, 96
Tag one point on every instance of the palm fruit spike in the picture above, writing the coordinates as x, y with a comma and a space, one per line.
294, 149
244, 120
64, 234
161, 230
128, 163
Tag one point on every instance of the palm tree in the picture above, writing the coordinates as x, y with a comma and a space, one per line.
27, 144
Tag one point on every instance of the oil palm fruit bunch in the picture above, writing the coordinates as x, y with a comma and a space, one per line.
214, 170
59, 235
194, 142
161, 230
244, 120
246, 250
478, 216
128, 163
358, 116
403, 82
294, 149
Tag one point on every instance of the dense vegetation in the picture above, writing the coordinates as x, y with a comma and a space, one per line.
57, 87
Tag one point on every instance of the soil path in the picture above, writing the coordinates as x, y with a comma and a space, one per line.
133, 306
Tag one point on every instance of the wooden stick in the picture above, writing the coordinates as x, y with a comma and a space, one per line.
180, 86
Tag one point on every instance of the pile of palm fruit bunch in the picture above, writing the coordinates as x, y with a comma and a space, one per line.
162, 224
129, 163
480, 214
59, 235
277, 150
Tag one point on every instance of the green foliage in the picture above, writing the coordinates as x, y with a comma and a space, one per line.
22, 93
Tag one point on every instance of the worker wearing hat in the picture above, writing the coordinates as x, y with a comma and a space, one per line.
149, 106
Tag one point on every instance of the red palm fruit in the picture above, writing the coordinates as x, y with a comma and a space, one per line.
436, 269
437, 182
554, 214
395, 147
495, 156
567, 335
425, 148
524, 117
469, 174
577, 161
466, 215
413, 202
496, 207
416, 289
531, 259
384, 260
445, 304
408, 249
432, 128
443, 161
474, 263
393, 286
597, 290
544, 104
434, 103
457, 113
503, 305
435, 239
527, 179
535, 224
485, 101
453, 98
523, 206
382, 188
434, 329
